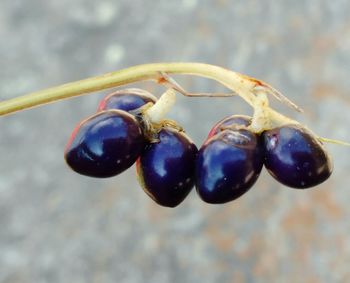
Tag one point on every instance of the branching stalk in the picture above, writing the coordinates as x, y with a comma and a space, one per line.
253, 91
238, 83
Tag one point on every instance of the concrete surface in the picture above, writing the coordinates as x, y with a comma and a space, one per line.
57, 226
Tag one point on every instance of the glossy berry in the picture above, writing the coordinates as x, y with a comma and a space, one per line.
295, 157
234, 120
228, 164
105, 144
127, 100
166, 168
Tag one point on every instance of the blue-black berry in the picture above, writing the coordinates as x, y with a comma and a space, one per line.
229, 162
294, 157
166, 168
105, 144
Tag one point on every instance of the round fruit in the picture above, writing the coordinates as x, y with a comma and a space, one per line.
105, 144
294, 157
234, 120
166, 168
127, 100
228, 164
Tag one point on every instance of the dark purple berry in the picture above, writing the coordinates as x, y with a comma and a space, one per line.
127, 100
234, 120
295, 157
228, 164
105, 144
166, 168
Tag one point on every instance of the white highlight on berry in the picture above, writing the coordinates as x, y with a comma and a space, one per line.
157, 112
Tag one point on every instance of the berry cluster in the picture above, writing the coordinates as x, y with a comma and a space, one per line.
169, 164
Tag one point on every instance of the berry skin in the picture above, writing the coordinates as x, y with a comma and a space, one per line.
127, 100
166, 168
234, 120
294, 157
105, 144
228, 165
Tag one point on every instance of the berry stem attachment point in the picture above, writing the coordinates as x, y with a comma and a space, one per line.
265, 118
261, 120
156, 113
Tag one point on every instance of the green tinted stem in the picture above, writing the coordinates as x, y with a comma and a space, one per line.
238, 83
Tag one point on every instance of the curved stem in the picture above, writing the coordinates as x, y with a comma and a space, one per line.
238, 83
157, 112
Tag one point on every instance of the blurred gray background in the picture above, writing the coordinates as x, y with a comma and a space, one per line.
58, 226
